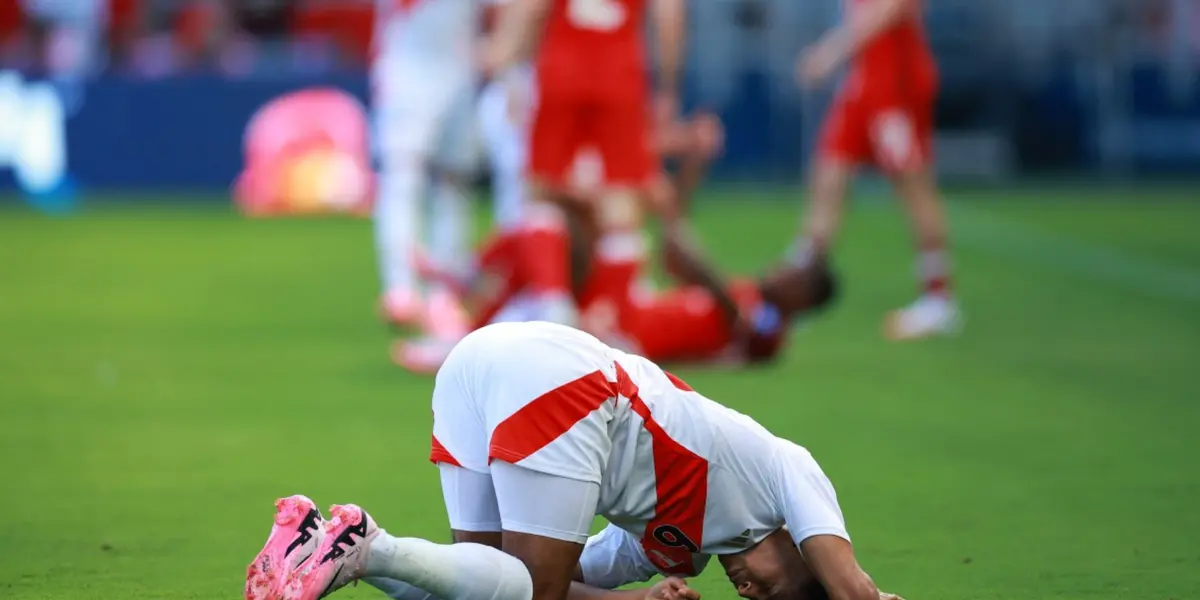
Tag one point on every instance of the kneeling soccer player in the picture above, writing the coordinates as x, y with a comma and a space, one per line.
537, 429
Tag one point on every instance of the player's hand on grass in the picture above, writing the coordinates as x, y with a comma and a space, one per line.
672, 588
887, 596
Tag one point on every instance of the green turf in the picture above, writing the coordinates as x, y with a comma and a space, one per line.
167, 372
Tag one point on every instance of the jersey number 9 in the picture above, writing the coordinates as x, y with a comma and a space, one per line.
672, 537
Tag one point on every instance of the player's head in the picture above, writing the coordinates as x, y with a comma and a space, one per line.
799, 288
773, 569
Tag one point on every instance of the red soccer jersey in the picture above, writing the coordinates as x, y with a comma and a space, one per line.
593, 48
686, 324
896, 64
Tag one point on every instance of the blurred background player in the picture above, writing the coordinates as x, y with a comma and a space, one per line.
591, 93
423, 81
883, 116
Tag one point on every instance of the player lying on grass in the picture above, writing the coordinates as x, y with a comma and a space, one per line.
537, 429
702, 319
504, 285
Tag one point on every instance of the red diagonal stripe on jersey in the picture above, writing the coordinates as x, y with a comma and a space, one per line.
548, 417
439, 454
678, 383
681, 485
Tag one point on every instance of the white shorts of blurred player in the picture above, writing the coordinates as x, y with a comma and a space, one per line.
422, 113
491, 433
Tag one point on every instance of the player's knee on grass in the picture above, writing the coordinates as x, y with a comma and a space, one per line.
546, 521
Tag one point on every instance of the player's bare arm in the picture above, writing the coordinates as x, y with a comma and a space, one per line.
686, 261
843, 42
670, 20
518, 31
704, 138
831, 559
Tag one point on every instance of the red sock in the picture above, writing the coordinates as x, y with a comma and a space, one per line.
543, 260
616, 268
498, 251
933, 268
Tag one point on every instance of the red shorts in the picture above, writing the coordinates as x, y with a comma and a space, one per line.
893, 134
616, 129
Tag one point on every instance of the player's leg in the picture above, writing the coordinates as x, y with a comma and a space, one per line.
355, 547
404, 138
504, 137
842, 144
474, 518
630, 167
546, 521
544, 253
902, 138
454, 163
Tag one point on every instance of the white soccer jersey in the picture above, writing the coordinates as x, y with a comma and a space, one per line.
681, 477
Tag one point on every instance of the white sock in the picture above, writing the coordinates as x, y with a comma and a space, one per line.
449, 571
508, 189
555, 308
451, 214
397, 210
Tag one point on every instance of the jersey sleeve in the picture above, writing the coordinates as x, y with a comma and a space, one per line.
809, 503
613, 558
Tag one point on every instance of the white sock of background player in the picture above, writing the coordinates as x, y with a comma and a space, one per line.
450, 571
402, 183
504, 135
451, 222
508, 189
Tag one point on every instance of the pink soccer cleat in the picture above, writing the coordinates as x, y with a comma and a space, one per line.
340, 559
298, 531
422, 356
402, 308
445, 317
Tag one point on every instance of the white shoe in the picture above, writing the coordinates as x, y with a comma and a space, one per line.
931, 315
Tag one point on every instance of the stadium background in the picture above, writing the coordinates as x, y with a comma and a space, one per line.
168, 368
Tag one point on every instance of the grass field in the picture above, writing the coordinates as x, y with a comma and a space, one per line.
167, 371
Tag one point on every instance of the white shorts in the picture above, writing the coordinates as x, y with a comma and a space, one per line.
537, 395
423, 114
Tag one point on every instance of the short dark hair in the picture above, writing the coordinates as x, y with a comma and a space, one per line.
824, 285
